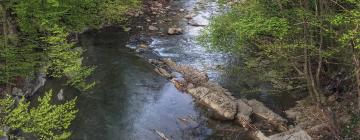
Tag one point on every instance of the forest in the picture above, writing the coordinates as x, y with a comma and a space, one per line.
297, 47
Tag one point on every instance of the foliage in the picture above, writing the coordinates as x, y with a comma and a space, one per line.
45, 26
291, 44
46, 121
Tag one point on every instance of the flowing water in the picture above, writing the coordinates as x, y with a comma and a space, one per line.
131, 101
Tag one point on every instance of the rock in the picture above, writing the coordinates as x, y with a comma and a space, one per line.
34, 85
265, 113
144, 46
194, 23
170, 63
180, 83
260, 135
175, 31
190, 85
181, 10
155, 62
140, 50
127, 29
291, 113
153, 28
192, 75
331, 99
17, 92
294, 134
60, 95
176, 75
218, 101
163, 72
243, 113
189, 16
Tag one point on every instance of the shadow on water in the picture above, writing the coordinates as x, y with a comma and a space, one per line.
130, 101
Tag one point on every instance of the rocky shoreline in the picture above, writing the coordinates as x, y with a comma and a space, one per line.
246, 113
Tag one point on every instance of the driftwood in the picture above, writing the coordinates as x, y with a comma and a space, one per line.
161, 135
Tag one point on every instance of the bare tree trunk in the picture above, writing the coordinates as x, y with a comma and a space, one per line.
5, 44
357, 76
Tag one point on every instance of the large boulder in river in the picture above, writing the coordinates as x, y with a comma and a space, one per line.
243, 114
260, 110
190, 74
175, 31
218, 101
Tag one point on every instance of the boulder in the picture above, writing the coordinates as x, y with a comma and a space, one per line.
265, 113
163, 72
294, 134
221, 103
192, 75
243, 113
175, 31
291, 113
180, 83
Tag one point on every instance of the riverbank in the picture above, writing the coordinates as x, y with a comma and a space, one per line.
196, 83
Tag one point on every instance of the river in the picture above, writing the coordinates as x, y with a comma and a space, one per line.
130, 100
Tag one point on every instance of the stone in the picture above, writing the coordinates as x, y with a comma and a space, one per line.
144, 46
17, 92
294, 134
163, 72
218, 101
60, 95
189, 16
176, 75
291, 113
180, 83
260, 135
181, 10
331, 99
194, 23
153, 28
265, 113
192, 75
155, 62
175, 31
243, 113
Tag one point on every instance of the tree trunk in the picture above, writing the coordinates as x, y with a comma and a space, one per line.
357, 77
